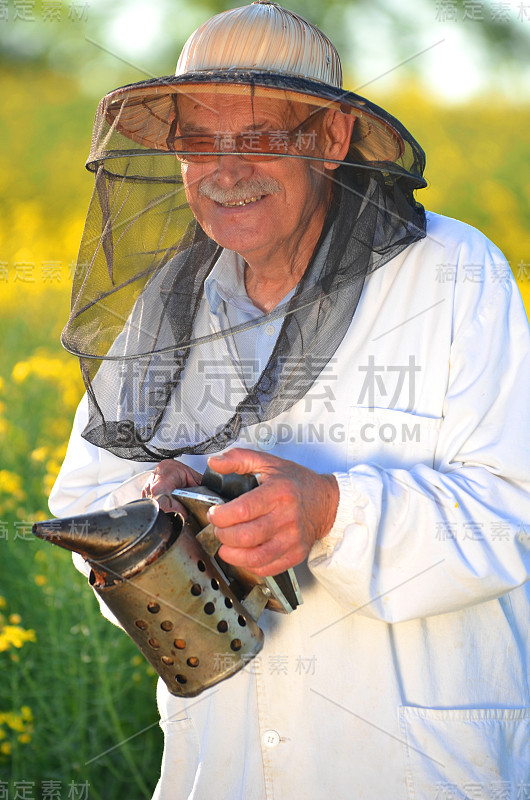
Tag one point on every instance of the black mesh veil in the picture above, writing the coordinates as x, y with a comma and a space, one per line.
167, 368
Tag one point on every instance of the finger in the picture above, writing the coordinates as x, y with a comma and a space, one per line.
265, 560
161, 486
174, 470
245, 508
249, 534
242, 461
170, 475
171, 467
170, 505
147, 491
194, 477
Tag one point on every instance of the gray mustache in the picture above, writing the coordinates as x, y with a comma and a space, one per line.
244, 190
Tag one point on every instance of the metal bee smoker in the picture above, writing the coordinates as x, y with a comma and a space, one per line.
193, 616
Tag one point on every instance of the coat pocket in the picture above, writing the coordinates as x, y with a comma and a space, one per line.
465, 753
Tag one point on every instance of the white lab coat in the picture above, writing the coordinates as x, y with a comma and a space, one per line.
404, 675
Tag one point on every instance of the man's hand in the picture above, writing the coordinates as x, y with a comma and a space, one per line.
274, 526
166, 477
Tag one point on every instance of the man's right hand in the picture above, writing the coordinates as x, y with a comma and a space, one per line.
165, 478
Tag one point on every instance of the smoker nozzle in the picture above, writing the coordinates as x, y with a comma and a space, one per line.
121, 539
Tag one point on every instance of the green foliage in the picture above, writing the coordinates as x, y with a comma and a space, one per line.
90, 693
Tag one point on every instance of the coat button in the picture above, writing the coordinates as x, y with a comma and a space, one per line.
266, 440
270, 738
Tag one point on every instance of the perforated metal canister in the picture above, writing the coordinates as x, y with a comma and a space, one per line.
185, 619
167, 592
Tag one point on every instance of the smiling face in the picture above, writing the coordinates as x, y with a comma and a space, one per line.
264, 209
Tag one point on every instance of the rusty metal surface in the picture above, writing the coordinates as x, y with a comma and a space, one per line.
185, 619
121, 541
100, 533
193, 616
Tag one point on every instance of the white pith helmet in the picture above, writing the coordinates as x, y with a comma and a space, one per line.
264, 37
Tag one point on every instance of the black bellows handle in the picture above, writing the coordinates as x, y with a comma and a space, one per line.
228, 486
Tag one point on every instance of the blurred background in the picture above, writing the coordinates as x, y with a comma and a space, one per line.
77, 710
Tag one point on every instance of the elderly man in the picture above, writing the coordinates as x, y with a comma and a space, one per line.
257, 283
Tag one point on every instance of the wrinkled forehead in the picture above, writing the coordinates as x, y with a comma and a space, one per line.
219, 110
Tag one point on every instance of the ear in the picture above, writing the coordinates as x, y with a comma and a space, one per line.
337, 129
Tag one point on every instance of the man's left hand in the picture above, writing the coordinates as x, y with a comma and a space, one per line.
274, 526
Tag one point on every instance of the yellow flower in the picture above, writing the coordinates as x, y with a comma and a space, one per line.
14, 721
21, 370
60, 452
37, 516
39, 455
14, 636
53, 467
11, 484
20, 722
64, 374
2, 602
48, 483
15, 619
40, 580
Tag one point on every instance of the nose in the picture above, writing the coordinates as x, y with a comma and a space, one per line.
231, 169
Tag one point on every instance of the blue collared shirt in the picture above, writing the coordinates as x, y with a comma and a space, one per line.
230, 304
